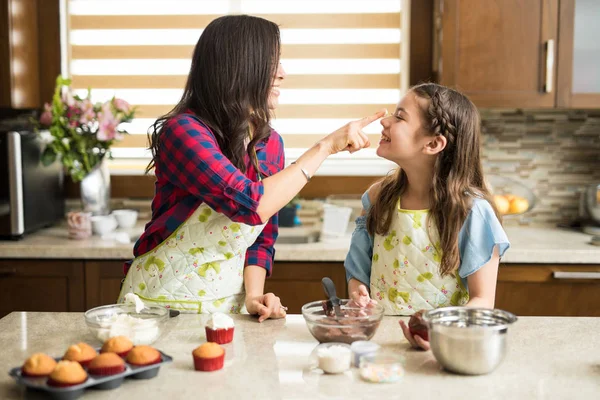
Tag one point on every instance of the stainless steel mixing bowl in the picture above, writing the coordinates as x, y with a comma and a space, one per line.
469, 341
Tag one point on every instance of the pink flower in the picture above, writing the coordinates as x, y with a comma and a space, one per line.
87, 112
121, 105
107, 125
46, 117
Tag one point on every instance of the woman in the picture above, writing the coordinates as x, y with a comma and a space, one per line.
220, 179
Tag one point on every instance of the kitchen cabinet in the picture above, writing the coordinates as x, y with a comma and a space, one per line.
296, 283
501, 53
549, 290
41, 285
579, 54
102, 282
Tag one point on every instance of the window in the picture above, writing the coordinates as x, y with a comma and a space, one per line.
344, 60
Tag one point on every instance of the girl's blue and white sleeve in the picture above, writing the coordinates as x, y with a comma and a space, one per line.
358, 260
480, 233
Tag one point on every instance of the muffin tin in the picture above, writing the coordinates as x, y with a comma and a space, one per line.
94, 381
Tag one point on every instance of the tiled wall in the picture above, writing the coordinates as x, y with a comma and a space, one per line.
556, 153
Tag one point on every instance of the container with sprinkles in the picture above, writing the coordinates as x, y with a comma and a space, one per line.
382, 368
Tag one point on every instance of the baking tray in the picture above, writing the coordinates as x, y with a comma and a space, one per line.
96, 382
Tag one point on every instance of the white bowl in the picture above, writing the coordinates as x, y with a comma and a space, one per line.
103, 224
126, 218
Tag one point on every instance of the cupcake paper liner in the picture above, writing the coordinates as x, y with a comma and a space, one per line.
220, 336
209, 364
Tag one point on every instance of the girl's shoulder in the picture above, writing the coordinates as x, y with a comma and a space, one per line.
482, 208
369, 197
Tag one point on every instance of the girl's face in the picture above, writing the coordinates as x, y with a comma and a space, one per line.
403, 139
277, 80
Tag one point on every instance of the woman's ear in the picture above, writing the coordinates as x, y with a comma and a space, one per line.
435, 145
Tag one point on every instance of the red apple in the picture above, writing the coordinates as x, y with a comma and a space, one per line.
417, 326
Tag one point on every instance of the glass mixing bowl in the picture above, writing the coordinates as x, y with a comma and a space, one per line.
122, 320
354, 324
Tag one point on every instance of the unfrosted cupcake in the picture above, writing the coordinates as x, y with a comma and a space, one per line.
143, 355
118, 344
83, 353
39, 364
219, 329
106, 364
208, 357
67, 373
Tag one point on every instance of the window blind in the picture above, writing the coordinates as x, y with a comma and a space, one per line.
343, 59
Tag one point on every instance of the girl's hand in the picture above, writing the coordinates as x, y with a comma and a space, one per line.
417, 342
350, 137
361, 298
265, 306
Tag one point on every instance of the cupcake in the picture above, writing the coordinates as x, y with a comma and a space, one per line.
39, 364
143, 355
118, 344
106, 364
83, 353
219, 329
208, 357
67, 373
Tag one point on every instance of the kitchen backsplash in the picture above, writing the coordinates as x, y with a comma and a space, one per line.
555, 153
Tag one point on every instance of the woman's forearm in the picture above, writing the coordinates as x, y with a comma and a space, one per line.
254, 280
280, 188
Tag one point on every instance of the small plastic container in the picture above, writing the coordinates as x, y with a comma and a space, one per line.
332, 358
335, 222
382, 368
362, 348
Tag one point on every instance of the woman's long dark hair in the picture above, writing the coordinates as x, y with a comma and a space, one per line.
228, 86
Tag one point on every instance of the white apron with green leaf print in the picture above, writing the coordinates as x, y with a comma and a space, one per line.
405, 274
199, 268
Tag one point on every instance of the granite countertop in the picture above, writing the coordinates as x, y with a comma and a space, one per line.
271, 361
529, 245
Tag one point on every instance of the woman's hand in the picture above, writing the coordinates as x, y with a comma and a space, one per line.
350, 137
360, 297
265, 306
417, 342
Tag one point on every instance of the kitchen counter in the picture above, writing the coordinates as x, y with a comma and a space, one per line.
270, 361
529, 245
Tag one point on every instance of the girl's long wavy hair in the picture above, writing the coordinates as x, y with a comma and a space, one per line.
458, 173
228, 86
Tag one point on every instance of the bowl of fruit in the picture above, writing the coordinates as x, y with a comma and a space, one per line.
510, 196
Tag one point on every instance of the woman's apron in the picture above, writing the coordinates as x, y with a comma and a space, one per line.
405, 275
199, 268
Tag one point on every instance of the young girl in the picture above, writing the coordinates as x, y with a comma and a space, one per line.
429, 235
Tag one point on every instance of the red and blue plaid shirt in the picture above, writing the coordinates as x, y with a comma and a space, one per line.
191, 170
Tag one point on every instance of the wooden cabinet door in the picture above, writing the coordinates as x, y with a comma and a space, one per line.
102, 282
579, 54
41, 285
496, 51
549, 290
298, 283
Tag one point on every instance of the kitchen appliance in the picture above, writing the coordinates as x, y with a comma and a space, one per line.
31, 194
470, 341
589, 209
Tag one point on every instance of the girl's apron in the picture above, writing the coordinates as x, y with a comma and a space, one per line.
405, 274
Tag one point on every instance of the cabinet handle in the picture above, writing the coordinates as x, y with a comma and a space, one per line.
549, 66
7, 271
575, 275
